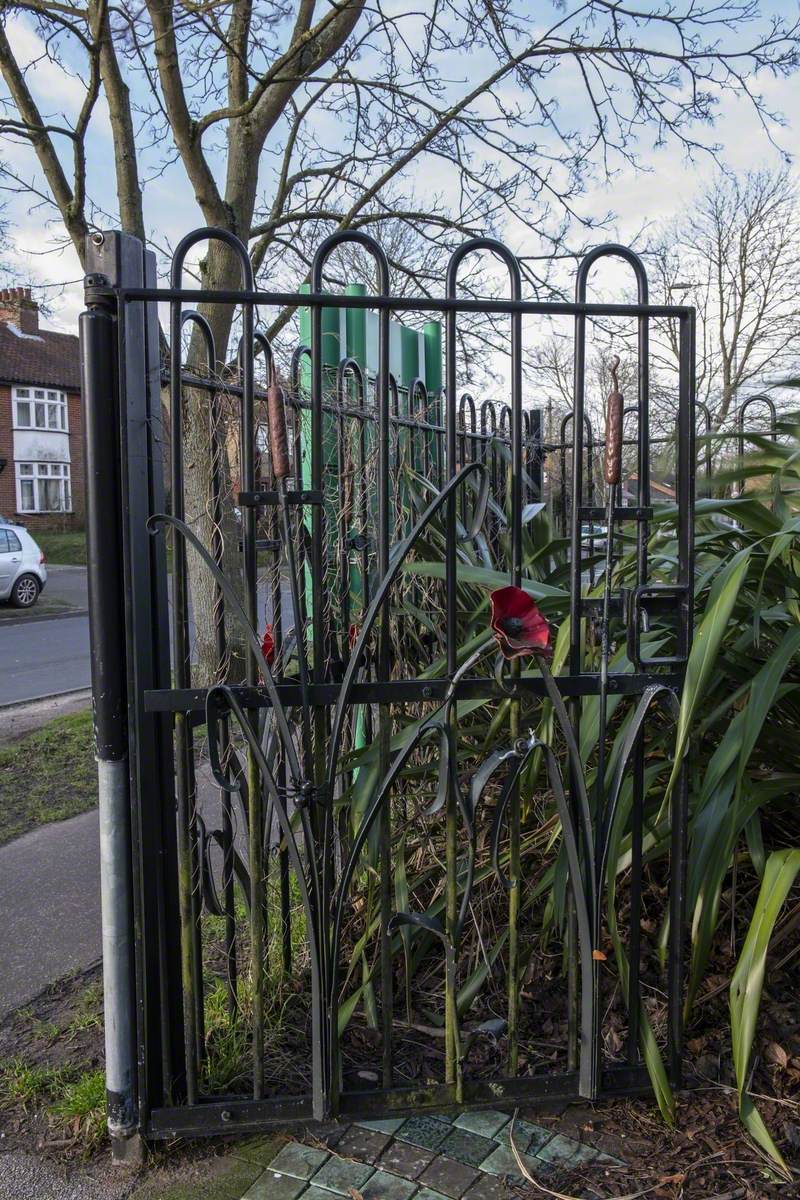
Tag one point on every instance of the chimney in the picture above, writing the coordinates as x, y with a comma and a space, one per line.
17, 308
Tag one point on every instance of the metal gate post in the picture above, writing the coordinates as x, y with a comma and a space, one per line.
109, 701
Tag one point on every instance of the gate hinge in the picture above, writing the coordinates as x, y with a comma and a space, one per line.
97, 290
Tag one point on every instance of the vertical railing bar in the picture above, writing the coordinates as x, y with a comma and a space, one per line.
180, 670
571, 521
321, 1083
385, 509
451, 650
160, 742
281, 772
643, 498
514, 819
256, 839
680, 797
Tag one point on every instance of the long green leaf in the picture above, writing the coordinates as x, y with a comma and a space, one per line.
705, 649
748, 981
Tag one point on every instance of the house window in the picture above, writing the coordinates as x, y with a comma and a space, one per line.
43, 487
40, 408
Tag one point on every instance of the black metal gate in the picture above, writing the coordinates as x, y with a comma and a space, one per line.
347, 813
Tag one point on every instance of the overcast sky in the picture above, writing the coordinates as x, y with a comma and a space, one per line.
660, 190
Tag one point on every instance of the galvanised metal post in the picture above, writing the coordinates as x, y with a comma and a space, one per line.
109, 702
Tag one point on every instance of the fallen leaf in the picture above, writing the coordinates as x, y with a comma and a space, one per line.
776, 1054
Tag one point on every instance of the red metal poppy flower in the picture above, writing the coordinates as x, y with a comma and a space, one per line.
268, 645
517, 624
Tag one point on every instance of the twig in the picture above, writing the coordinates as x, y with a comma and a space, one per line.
562, 1195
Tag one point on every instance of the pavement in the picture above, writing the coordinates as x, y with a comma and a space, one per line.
50, 901
25, 1177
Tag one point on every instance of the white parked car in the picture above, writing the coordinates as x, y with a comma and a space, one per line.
22, 570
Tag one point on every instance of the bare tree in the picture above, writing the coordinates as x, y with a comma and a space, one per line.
736, 258
552, 367
296, 117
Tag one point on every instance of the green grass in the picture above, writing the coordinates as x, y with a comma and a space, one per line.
23, 1084
80, 1107
63, 549
47, 775
76, 1102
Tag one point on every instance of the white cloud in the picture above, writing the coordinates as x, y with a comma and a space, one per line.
53, 87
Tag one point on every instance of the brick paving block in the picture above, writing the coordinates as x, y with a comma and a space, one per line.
486, 1122
383, 1186
339, 1175
565, 1151
488, 1188
272, 1186
503, 1163
405, 1159
427, 1194
467, 1147
425, 1131
313, 1193
608, 1160
528, 1138
390, 1126
298, 1160
366, 1145
448, 1176
583, 1154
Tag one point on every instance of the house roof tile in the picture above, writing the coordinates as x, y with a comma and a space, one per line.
46, 358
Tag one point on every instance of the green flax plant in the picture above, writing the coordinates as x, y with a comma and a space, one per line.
739, 713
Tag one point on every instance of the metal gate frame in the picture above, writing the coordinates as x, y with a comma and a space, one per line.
138, 706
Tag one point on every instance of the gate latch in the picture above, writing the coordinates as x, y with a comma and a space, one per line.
653, 598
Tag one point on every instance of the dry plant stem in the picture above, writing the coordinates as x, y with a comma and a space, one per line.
562, 1195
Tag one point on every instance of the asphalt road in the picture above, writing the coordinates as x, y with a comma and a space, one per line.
46, 649
43, 657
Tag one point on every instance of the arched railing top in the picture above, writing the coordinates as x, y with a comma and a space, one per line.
759, 398
298, 354
495, 247
211, 233
417, 389
260, 342
351, 367
341, 238
488, 417
587, 424
611, 250
467, 404
193, 317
